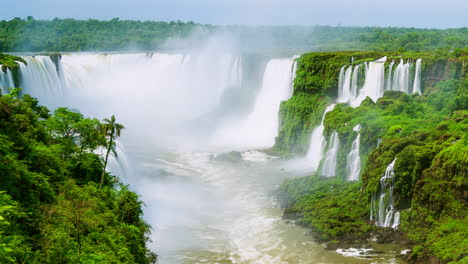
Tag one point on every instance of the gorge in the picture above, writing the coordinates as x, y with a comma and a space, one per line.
210, 138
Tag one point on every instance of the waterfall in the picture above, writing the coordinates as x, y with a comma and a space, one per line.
294, 70
317, 142
386, 212
6, 80
329, 163
417, 77
388, 85
41, 78
353, 168
374, 82
260, 127
344, 92
341, 78
401, 77
354, 81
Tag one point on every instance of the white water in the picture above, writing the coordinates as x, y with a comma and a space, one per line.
201, 210
375, 83
317, 142
386, 215
330, 159
353, 167
401, 77
260, 127
417, 77
6, 80
388, 85
344, 94
42, 74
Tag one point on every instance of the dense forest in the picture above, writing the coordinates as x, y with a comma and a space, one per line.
424, 135
61, 35
57, 202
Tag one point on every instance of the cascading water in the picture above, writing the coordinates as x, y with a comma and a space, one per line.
376, 81
345, 94
260, 127
317, 142
6, 80
386, 215
388, 84
401, 77
42, 79
201, 209
354, 81
330, 159
353, 167
417, 77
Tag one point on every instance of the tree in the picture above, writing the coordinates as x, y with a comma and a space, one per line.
112, 130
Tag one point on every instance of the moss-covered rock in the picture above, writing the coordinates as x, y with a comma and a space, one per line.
11, 62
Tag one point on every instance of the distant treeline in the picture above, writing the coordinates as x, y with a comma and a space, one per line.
20, 35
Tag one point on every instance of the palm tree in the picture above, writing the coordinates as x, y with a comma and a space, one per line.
111, 130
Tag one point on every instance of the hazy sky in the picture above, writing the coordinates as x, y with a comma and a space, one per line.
408, 13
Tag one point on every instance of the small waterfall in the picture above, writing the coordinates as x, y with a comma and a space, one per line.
417, 78
344, 92
388, 85
353, 159
341, 78
118, 166
6, 80
386, 212
354, 81
40, 78
294, 70
317, 142
374, 82
330, 160
401, 77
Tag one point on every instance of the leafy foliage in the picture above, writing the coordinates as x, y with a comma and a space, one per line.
93, 35
427, 135
51, 209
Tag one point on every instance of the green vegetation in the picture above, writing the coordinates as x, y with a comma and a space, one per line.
11, 62
426, 133
332, 208
317, 78
93, 35
51, 207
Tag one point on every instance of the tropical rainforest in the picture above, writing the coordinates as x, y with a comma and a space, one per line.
57, 202
60, 35
425, 134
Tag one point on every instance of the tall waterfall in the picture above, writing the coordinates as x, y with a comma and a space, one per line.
42, 79
353, 168
388, 84
260, 127
401, 77
376, 81
385, 214
330, 159
417, 77
345, 90
6, 80
317, 142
